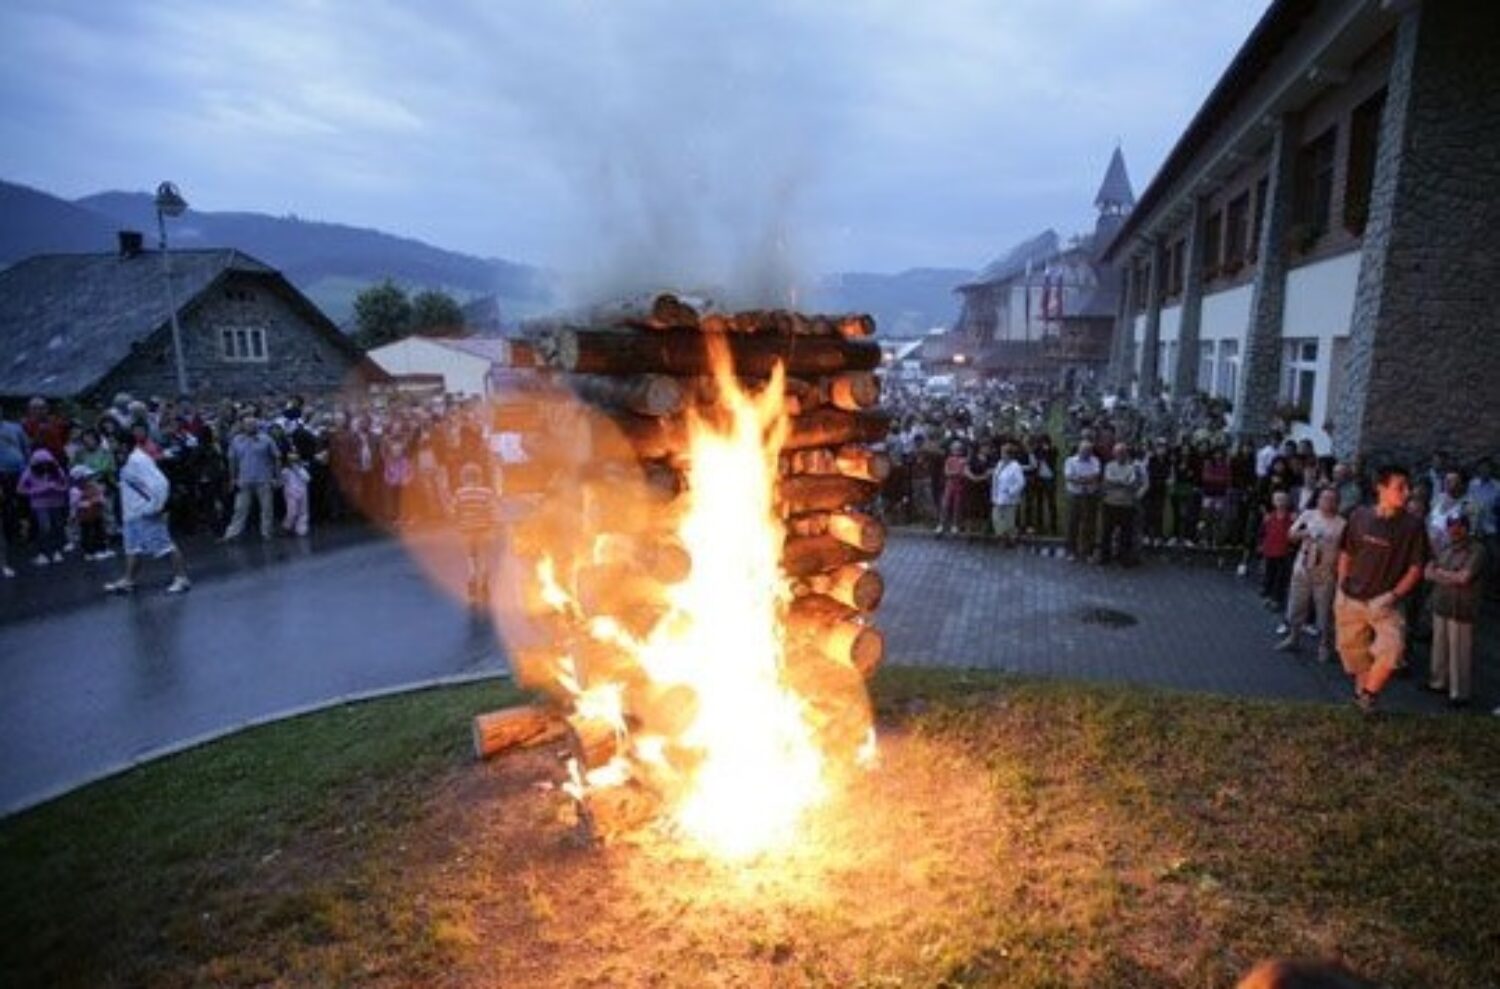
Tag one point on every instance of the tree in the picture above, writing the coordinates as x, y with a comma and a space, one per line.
382, 315
436, 314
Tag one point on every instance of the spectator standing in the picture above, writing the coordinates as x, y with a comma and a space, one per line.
1379, 565
1041, 499
44, 485
1275, 545
144, 491
477, 512
951, 507
253, 470
1455, 607
1153, 505
47, 429
1484, 495
1082, 473
15, 454
87, 501
1124, 485
1007, 487
1317, 533
296, 484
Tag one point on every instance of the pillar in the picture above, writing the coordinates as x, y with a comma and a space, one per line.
1185, 375
1151, 338
1260, 372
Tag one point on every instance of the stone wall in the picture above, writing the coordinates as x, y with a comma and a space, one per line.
299, 356
1424, 362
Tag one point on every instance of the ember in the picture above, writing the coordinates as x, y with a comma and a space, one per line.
695, 580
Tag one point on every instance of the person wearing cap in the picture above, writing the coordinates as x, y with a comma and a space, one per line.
1455, 606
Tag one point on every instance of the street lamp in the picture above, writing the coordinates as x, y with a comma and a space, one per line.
169, 202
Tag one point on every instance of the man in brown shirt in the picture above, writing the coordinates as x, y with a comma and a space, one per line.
1455, 605
1380, 563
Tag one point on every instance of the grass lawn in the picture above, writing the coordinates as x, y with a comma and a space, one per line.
1017, 833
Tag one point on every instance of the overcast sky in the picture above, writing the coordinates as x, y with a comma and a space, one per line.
829, 136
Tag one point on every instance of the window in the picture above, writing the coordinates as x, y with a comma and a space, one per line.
1206, 367
1364, 143
1313, 190
1262, 189
242, 343
1229, 370
1236, 230
1138, 273
1176, 266
1213, 245
1299, 373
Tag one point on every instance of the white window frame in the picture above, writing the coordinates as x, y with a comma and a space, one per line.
243, 344
1299, 371
1228, 384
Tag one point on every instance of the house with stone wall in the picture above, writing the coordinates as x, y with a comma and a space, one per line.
86, 326
1320, 246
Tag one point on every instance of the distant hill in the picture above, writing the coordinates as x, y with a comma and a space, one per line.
33, 222
905, 304
331, 262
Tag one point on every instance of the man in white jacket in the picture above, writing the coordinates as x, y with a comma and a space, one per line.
143, 507
1007, 485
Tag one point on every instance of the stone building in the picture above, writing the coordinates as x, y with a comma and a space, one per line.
1321, 246
1046, 309
85, 326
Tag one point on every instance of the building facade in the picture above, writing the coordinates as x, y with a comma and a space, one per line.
1046, 309
1320, 245
86, 326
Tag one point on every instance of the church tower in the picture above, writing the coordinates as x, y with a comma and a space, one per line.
1114, 200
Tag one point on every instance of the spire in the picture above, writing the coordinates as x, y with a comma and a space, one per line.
1115, 195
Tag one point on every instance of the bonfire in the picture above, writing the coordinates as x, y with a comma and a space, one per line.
693, 580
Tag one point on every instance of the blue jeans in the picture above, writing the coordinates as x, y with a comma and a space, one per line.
51, 529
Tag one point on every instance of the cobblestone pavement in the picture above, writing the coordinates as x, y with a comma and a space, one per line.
1183, 624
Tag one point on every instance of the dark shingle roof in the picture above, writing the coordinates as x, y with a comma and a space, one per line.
1115, 189
1034, 252
66, 320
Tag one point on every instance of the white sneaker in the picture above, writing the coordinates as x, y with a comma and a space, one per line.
105, 554
179, 585
40, 560
121, 586
1282, 629
1310, 630
57, 557
1241, 570
7, 573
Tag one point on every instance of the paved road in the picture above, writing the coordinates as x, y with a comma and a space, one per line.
85, 689
98, 683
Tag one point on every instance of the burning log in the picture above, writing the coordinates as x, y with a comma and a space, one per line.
515, 727
836, 704
855, 585
855, 528
644, 437
808, 555
817, 492
644, 394
835, 427
661, 558
849, 390
837, 631
685, 352
591, 740
848, 460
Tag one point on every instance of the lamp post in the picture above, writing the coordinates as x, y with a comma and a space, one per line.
169, 202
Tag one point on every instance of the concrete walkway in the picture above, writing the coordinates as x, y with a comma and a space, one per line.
97, 683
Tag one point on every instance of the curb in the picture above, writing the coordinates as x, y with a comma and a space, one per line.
36, 799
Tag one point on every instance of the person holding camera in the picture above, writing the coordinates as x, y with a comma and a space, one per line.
1317, 534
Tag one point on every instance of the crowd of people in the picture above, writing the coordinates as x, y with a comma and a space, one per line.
1103, 477
68, 487
1336, 563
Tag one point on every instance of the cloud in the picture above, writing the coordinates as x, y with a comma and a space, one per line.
744, 142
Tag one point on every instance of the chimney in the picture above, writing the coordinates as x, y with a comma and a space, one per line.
131, 243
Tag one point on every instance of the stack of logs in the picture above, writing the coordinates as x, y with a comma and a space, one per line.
637, 376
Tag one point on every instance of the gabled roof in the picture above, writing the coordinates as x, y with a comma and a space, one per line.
67, 320
1115, 189
1034, 252
492, 349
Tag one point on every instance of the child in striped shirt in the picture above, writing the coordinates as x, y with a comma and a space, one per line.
475, 508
